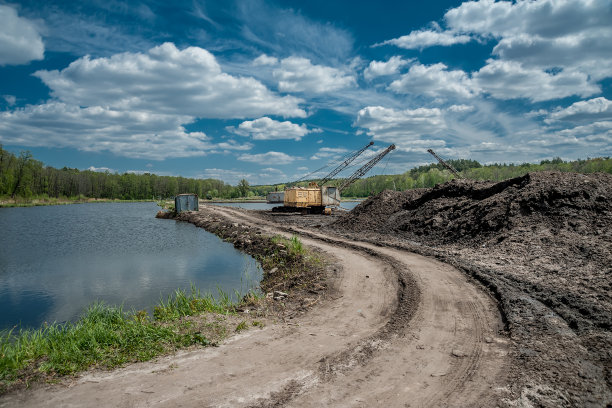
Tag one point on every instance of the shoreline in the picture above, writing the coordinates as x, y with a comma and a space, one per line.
197, 320
45, 202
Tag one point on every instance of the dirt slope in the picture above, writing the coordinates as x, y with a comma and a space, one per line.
543, 243
401, 330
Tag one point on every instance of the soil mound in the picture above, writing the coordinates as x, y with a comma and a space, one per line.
543, 244
473, 212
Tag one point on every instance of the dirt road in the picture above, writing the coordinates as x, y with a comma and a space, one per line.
400, 330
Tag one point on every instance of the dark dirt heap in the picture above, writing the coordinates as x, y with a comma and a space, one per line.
471, 212
543, 244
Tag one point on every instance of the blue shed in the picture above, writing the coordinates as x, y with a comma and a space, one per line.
186, 202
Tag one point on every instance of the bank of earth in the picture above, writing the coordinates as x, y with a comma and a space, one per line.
467, 294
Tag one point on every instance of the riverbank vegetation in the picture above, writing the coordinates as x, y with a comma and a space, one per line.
27, 181
106, 336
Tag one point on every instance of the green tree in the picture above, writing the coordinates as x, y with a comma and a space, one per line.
22, 162
243, 188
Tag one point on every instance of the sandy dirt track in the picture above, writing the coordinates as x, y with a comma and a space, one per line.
400, 330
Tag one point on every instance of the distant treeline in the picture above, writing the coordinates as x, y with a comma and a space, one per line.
26, 178
432, 174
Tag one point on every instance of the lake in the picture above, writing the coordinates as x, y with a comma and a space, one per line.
56, 260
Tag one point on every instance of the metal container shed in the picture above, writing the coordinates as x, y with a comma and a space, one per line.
186, 202
275, 197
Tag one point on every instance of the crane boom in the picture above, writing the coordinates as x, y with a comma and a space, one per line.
345, 163
365, 168
445, 164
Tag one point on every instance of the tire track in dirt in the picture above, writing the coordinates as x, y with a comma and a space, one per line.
252, 367
468, 366
372, 346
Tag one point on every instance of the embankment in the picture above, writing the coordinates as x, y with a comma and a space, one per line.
542, 243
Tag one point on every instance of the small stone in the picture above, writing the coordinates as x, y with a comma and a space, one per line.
488, 339
278, 295
458, 353
273, 270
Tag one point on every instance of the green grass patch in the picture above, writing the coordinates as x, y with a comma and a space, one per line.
108, 337
242, 326
182, 304
292, 245
293, 265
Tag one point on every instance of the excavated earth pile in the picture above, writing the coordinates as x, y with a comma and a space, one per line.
542, 244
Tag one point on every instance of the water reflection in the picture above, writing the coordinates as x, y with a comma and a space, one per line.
54, 261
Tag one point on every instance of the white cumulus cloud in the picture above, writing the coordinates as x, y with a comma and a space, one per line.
427, 38
20, 41
543, 34
595, 109
267, 158
381, 68
510, 80
545, 18
124, 133
545, 49
435, 81
297, 74
400, 125
100, 169
329, 152
166, 80
264, 59
269, 129
137, 104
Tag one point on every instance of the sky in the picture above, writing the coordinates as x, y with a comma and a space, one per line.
270, 90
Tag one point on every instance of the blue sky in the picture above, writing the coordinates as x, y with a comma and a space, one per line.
271, 90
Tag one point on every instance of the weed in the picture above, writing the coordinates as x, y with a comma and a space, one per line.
182, 304
107, 336
242, 326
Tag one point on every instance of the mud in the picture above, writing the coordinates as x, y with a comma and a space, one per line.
393, 328
398, 329
542, 244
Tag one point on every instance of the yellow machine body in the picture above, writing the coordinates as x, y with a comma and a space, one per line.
313, 197
303, 197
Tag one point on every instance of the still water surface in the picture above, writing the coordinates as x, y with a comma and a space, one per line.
56, 260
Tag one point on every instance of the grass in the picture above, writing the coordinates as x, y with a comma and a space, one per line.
296, 266
293, 245
108, 337
241, 326
182, 304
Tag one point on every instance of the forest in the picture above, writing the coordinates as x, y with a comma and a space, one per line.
432, 174
23, 178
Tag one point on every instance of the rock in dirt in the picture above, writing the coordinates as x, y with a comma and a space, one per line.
278, 295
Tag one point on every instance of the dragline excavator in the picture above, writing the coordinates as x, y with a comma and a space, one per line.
314, 199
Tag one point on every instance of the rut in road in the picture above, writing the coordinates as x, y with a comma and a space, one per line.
371, 345
450, 353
